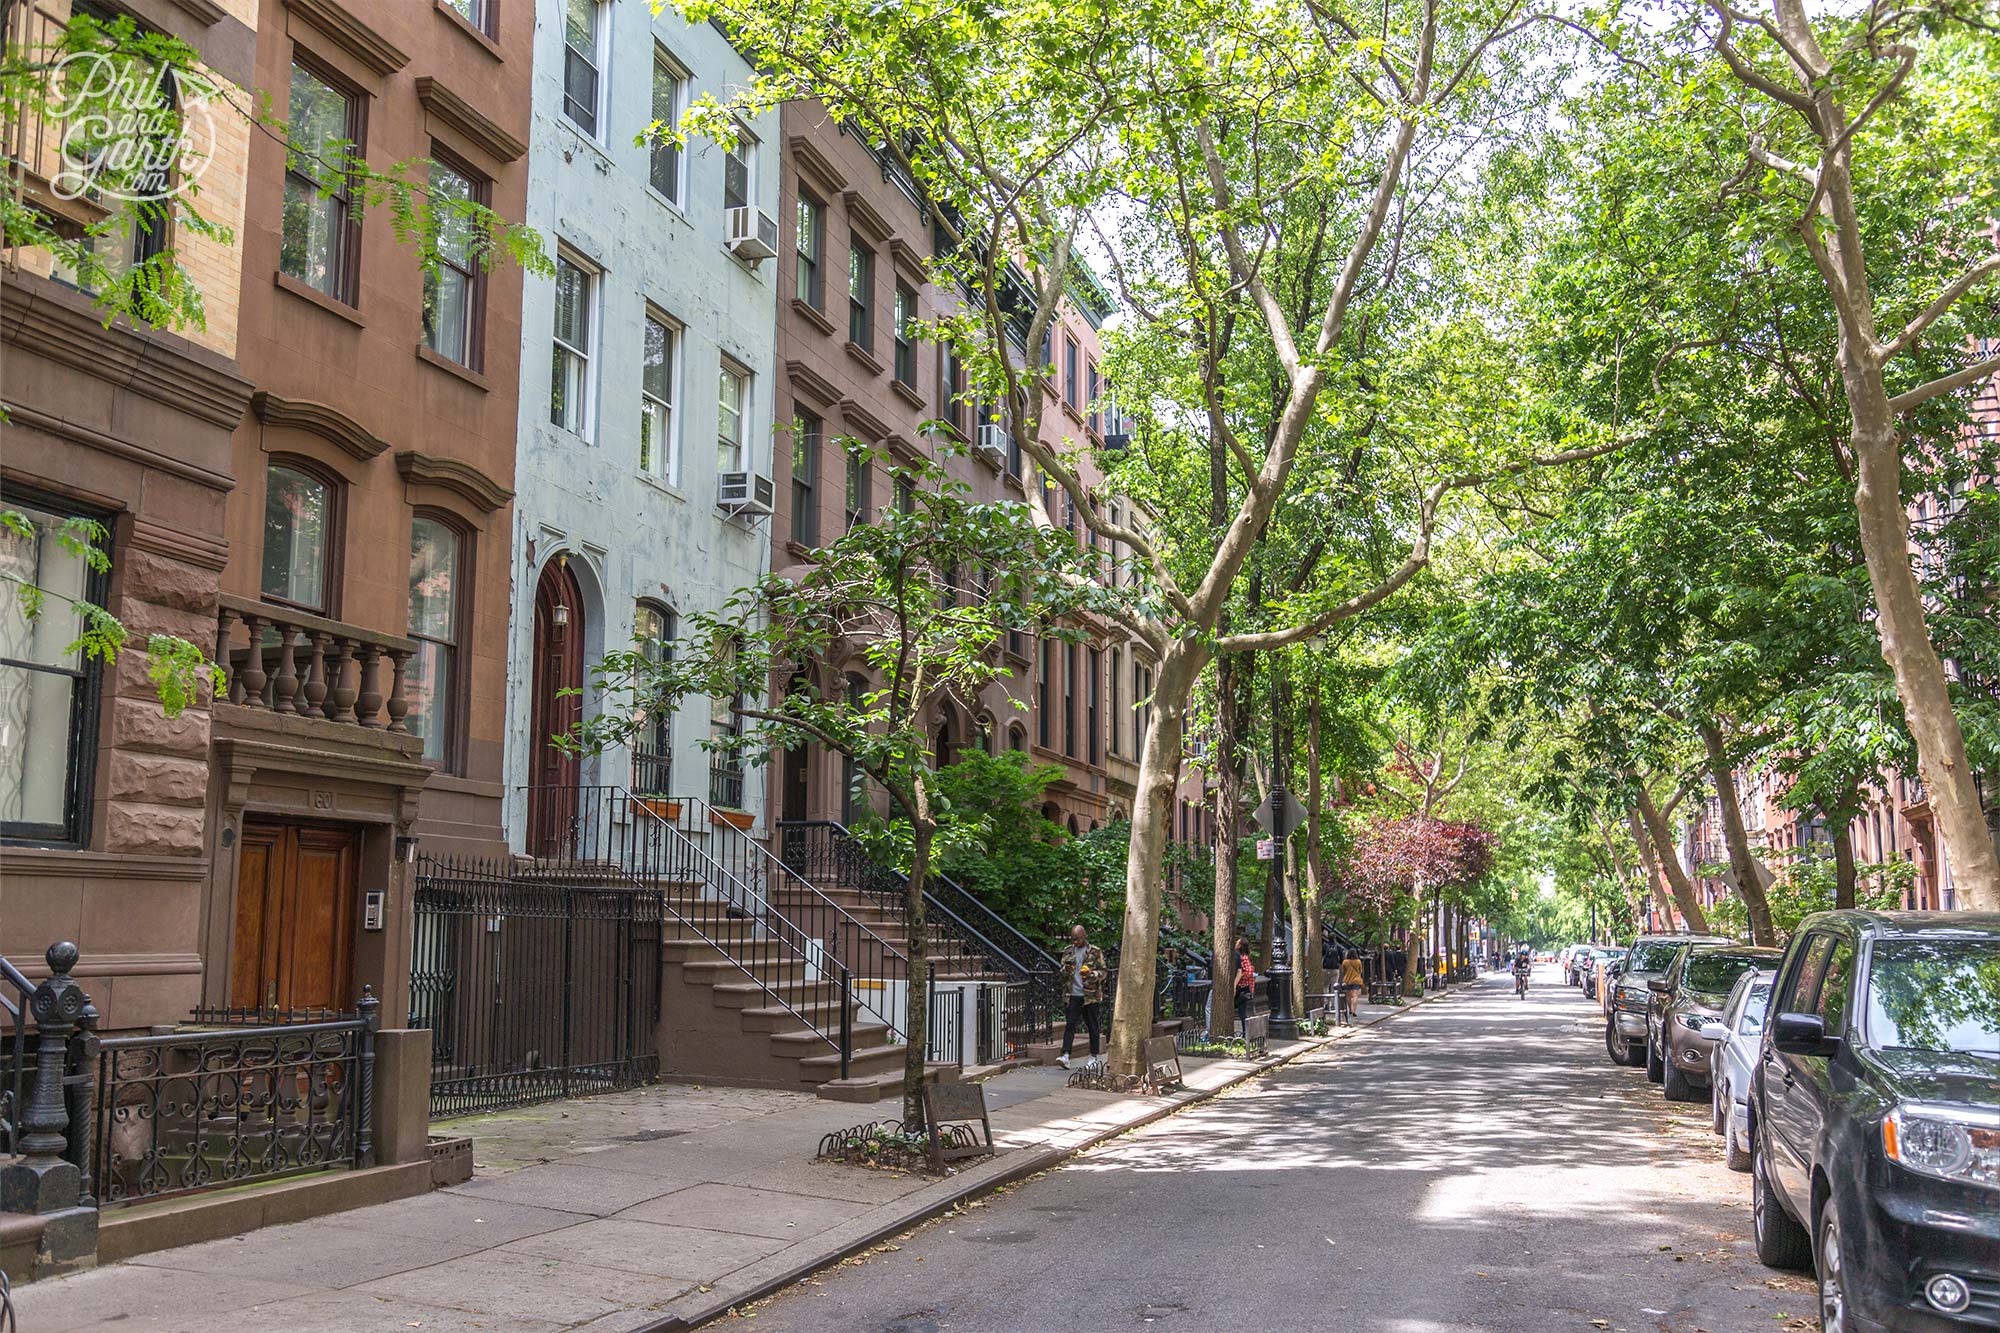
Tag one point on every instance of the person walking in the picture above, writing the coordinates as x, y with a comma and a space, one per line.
1352, 981
1246, 984
1083, 973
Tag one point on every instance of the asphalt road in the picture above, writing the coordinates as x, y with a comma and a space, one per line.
1476, 1163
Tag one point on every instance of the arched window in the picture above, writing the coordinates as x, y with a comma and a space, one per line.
1017, 737
301, 536
654, 626
438, 592
1073, 830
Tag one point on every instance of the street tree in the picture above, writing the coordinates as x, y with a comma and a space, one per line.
918, 601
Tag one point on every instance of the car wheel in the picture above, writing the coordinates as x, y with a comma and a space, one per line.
1616, 1046
1781, 1242
1735, 1152
1656, 1068
1830, 1264
1678, 1089
1718, 1118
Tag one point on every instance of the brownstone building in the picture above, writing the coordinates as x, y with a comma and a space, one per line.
854, 284
316, 487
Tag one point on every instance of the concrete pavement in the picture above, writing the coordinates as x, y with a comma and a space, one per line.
1476, 1165
657, 1208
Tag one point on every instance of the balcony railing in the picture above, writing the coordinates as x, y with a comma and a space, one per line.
293, 662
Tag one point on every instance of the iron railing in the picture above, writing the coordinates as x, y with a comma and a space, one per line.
17, 1055
21, 1055
725, 785
536, 981
812, 973
203, 1109
959, 926
765, 886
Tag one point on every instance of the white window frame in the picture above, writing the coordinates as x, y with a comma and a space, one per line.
744, 462
597, 58
746, 148
683, 84
586, 416
668, 467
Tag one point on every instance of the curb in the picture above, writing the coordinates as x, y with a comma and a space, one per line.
1017, 1167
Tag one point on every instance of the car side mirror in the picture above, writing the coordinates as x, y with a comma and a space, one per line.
1658, 985
1715, 1029
1802, 1034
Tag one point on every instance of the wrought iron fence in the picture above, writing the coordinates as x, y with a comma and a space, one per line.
536, 981
200, 1109
17, 1057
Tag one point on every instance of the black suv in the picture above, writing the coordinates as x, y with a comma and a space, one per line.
1875, 1133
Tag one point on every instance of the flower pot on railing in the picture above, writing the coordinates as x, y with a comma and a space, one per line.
736, 819
660, 806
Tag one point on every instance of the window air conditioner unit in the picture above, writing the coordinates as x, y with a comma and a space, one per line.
744, 493
991, 443
753, 234
1117, 440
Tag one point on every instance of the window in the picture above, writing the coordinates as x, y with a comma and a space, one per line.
1803, 989
653, 630
657, 455
906, 336
857, 488
1833, 989
436, 553
48, 690
479, 13
299, 531
861, 296
317, 240
808, 432
1117, 701
569, 379
669, 101
850, 772
581, 59
739, 171
1045, 702
1093, 747
725, 767
1017, 737
1142, 704
1096, 417
951, 389
1069, 699
453, 293
1069, 371
732, 406
906, 495
809, 241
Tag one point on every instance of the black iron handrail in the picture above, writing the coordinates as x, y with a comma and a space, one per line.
826, 847
765, 877
606, 826
14, 1063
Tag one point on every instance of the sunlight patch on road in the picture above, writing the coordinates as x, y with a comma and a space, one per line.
1540, 1191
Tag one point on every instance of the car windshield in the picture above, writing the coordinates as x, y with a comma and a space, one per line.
1754, 1005
1714, 973
1935, 995
1653, 957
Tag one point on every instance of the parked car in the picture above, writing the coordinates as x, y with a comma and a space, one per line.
1732, 1059
1578, 960
1593, 979
1875, 1138
1684, 999
1630, 997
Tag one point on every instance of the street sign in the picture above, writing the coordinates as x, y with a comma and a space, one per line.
1295, 813
1267, 849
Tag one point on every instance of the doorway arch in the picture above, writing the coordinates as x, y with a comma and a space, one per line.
558, 668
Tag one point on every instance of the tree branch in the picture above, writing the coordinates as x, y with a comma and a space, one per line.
1936, 309
1923, 393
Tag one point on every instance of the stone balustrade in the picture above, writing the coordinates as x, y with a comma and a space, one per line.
293, 662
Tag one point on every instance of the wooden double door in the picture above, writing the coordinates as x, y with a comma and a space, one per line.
297, 900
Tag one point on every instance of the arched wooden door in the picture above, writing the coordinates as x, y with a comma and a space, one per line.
552, 772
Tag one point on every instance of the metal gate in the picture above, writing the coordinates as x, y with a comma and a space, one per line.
536, 982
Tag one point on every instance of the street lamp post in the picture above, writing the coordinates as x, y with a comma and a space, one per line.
1284, 1026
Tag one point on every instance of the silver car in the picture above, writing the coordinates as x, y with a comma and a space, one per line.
1732, 1060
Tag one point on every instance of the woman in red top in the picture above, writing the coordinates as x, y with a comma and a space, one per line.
1246, 984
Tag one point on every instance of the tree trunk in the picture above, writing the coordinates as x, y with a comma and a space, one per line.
1752, 880
1412, 950
1296, 913
1843, 864
916, 1010
1228, 838
1315, 892
1670, 863
1648, 867
1152, 815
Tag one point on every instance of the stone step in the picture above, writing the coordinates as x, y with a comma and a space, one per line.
866, 1063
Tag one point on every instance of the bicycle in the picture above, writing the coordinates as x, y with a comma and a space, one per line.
1521, 985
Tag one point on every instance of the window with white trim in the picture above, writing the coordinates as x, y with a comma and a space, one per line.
583, 58
657, 455
575, 325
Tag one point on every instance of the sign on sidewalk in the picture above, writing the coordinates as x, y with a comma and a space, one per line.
1267, 849
1295, 815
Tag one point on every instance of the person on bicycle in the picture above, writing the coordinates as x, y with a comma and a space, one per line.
1523, 965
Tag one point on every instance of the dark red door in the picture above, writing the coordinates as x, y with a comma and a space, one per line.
552, 771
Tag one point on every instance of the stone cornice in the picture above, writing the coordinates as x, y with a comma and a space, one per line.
329, 423
349, 33
43, 318
908, 256
807, 155
861, 212
817, 385
461, 479
187, 547
485, 133
55, 862
862, 424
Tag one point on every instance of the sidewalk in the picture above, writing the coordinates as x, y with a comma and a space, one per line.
653, 1209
